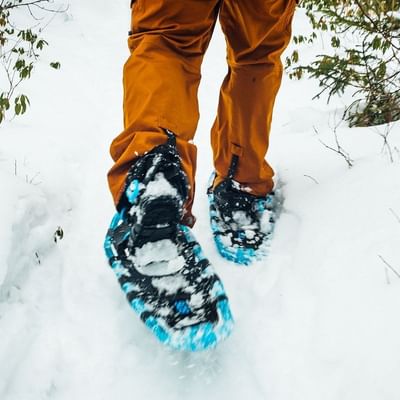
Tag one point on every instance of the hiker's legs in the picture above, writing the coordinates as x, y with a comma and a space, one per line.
161, 78
257, 32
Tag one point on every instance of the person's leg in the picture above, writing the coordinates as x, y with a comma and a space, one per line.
161, 78
160, 266
257, 32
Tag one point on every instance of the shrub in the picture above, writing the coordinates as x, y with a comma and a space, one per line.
364, 56
20, 49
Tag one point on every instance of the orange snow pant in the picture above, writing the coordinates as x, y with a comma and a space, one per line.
167, 41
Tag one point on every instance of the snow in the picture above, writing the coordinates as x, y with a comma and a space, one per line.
158, 258
159, 186
170, 285
249, 234
315, 320
265, 222
242, 219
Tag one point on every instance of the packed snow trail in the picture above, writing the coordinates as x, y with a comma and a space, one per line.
316, 320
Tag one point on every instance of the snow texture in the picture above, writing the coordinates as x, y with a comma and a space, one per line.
159, 187
318, 319
158, 258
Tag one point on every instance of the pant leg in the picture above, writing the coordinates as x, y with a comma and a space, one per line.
257, 32
161, 78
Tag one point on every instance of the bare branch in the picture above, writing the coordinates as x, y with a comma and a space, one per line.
389, 266
386, 145
313, 179
339, 150
395, 215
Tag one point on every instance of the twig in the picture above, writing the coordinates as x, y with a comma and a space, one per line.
339, 150
387, 276
9, 6
389, 266
32, 179
386, 145
313, 179
395, 215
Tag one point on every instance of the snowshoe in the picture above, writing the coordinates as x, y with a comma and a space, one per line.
242, 224
159, 264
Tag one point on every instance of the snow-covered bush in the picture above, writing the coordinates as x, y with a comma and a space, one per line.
364, 55
20, 47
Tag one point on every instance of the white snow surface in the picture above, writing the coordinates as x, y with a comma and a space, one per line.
159, 186
158, 258
317, 319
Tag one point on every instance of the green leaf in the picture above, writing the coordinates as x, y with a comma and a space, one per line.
40, 44
55, 65
18, 109
335, 41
